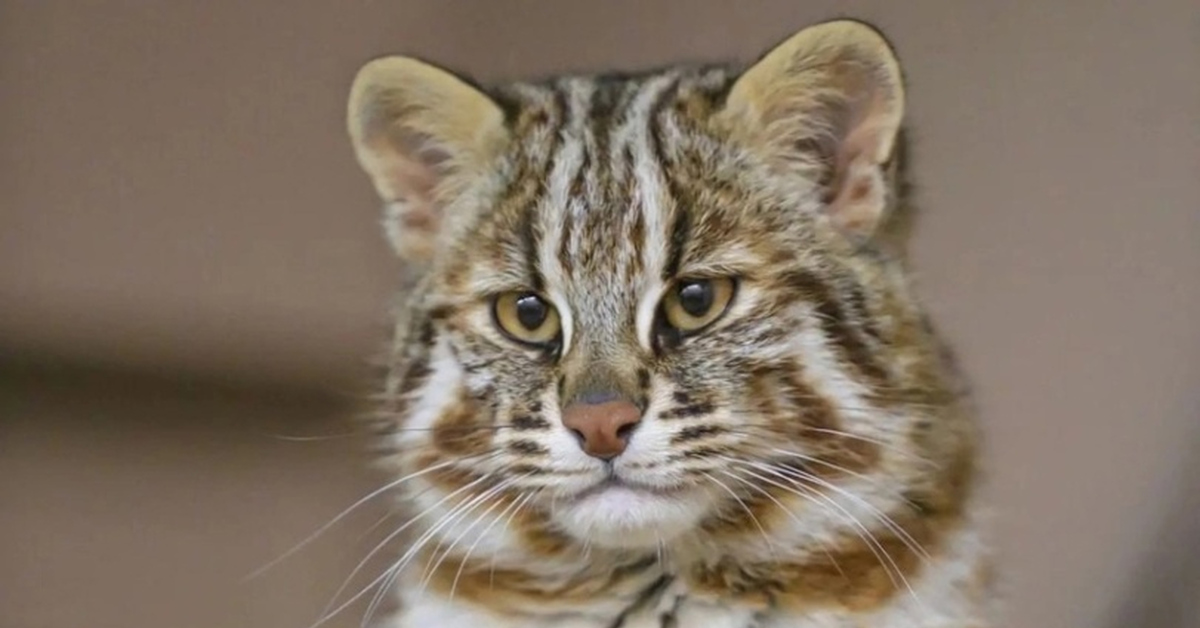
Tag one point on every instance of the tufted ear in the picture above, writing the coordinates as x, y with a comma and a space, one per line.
826, 104
420, 133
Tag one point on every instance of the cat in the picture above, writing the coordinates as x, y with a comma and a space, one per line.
660, 362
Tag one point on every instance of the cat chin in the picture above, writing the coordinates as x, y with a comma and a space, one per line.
622, 517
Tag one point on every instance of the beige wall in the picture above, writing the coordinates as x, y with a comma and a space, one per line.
176, 197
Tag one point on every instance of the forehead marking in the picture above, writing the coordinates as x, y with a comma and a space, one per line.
651, 196
551, 213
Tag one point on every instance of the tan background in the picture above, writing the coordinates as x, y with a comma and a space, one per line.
190, 267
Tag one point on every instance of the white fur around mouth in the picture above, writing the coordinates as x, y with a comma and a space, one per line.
621, 513
614, 483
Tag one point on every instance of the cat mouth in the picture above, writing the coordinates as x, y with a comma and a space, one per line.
613, 483
622, 512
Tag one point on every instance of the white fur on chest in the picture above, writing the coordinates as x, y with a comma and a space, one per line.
943, 595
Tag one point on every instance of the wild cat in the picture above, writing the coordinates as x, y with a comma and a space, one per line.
660, 362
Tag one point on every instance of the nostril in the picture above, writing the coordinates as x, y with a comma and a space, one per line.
579, 437
625, 431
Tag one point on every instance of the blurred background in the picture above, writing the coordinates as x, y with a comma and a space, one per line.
192, 280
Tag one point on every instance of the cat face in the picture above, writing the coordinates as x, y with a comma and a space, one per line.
645, 301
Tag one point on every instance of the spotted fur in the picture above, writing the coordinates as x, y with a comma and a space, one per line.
807, 461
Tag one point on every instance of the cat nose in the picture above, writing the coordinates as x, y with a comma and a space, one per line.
603, 428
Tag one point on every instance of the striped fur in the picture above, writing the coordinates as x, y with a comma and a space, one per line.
808, 461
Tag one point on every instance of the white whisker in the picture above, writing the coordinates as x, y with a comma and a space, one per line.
326, 614
874, 441
789, 513
483, 497
887, 521
466, 557
372, 495
761, 529
398, 568
865, 478
507, 522
865, 534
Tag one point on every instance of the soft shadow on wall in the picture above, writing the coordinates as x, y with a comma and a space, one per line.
135, 499
1166, 584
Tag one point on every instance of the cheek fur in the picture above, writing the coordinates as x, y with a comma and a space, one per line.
744, 395
443, 382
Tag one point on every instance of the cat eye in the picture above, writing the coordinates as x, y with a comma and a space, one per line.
693, 304
526, 318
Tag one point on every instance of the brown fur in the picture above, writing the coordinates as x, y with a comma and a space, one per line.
823, 376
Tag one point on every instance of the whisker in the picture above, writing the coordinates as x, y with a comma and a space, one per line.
790, 514
308, 439
865, 478
771, 430
463, 428
492, 492
742, 503
860, 529
414, 551
326, 614
873, 441
398, 568
467, 557
507, 523
586, 550
372, 495
883, 517
874, 402
378, 522
880, 553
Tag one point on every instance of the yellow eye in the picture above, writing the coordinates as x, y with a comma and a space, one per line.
526, 317
693, 304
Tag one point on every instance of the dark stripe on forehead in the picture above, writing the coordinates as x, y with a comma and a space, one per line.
637, 229
601, 110
530, 236
680, 230
534, 180
680, 220
574, 114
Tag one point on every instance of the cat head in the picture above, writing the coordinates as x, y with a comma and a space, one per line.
644, 297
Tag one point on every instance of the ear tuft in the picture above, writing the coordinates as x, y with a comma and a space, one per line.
421, 134
826, 104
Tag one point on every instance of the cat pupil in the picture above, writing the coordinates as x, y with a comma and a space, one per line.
696, 297
531, 312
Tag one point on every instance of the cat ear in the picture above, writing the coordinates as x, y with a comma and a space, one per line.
826, 104
421, 134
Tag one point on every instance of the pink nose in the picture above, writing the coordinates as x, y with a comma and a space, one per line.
603, 429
